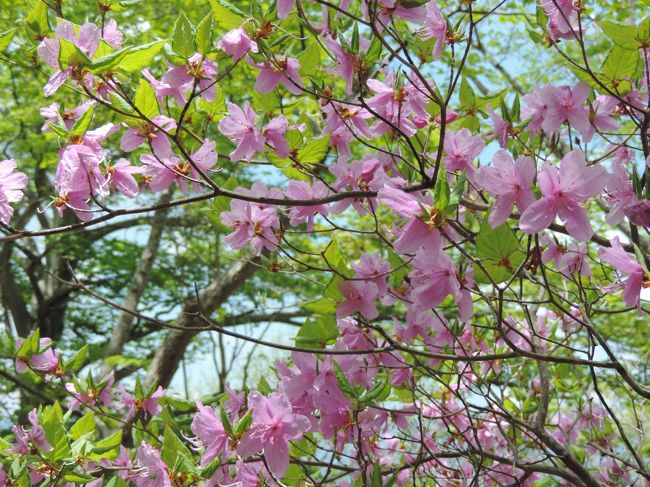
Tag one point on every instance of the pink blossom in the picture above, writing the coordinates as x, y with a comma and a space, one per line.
3, 476
510, 182
620, 194
435, 25
34, 437
624, 264
239, 125
163, 89
562, 193
211, 433
46, 359
600, 117
344, 62
284, 8
284, 71
197, 70
101, 392
566, 104
156, 474
274, 425
112, 34
501, 128
358, 296
535, 107
274, 135
301, 190
639, 213
561, 13
147, 132
121, 174
11, 186
462, 148
236, 43
252, 224
149, 405
373, 268
388, 8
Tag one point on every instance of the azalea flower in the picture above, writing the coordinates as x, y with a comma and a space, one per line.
274, 425
284, 71
302, 190
156, 474
462, 148
11, 186
211, 433
358, 296
147, 132
562, 192
435, 26
120, 175
26, 439
236, 43
149, 405
239, 125
510, 182
618, 258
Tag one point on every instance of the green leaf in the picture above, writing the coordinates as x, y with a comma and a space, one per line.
225, 420
145, 99
70, 54
309, 59
622, 35
499, 250
78, 478
183, 37
374, 51
6, 37
109, 61
466, 95
227, 15
345, 386
317, 333
335, 258
36, 21
380, 389
52, 422
204, 36
215, 108
315, 151
58, 130
174, 452
321, 306
643, 32
140, 57
244, 423
441, 191
620, 64
355, 38
77, 360
84, 425
109, 443
81, 125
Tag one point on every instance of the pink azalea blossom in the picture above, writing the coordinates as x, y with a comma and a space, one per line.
236, 43
45, 360
147, 132
239, 125
274, 425
34, 437
284, 8
11, 186
358, 296
435, 26
274, 135
566, 104
510, 182
462, 148
149, 405
120, 175
620, 194
561, 13
501, 128
562, 192
301, 190
101, 393
155, 471
618, 258
284, 71
112, 34
197, 70
211, 433
389, 8
639, 213
164, 89
344, 62
600, 117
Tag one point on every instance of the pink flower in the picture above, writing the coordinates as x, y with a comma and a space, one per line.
252, 223
274, 425
121, 174
501, 128
358, 296
284, 8
510, 182
565, 104
236, 43
274, 135
535, 108
155, 474
149, 405
388, 8
112, 34
462, 148
301, 190
562, 193
620, 194
284, 71
211, 433
147, 132
561, 14
94, 393
3, 476
11, 186
45, 360
163, 89
600, 117
239, 125
26, 439
198, 69
624, 264
344, 63
639, 213
435, 25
